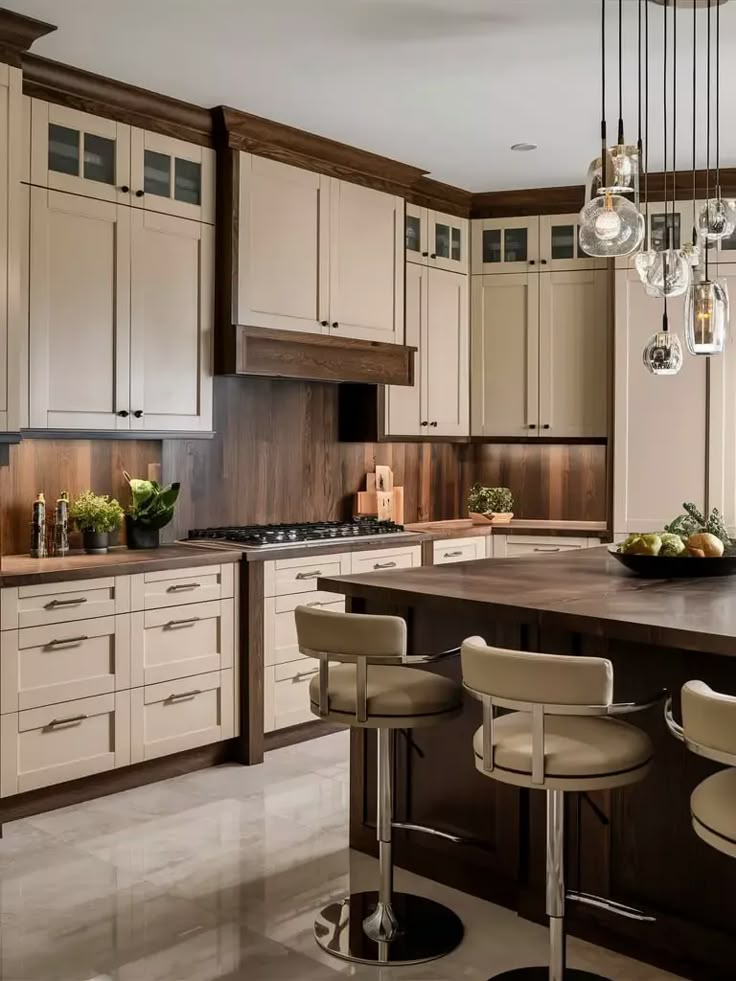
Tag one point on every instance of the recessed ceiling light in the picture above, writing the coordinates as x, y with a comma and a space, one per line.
523, 147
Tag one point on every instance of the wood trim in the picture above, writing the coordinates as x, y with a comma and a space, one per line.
300, 734
17, 34
319, 357
244, 131
226, 260
83, 90
428, 193
252, 658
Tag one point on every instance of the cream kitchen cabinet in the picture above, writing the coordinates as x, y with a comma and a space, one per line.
436, 239
559, 245
80, 153
505, 245
447, 551
514, 546
539, 354
124, 299
437, 324
318, 254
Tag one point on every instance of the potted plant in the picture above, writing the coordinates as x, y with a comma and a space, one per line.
96, 516
151, 508
495, 504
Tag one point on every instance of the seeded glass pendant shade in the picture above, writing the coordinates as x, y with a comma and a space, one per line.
669, 273
716, 220
610, 225
706, 317
663, 353
643, 262
623, 170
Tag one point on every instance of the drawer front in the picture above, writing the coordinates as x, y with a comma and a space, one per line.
288, 577
39, 605
459, 550
279, 627
291, 694
179, 587
65, 661
181, 641
387, 558
178, 715
523, 545
50, 745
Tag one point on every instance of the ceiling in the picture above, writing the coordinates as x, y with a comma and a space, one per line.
447, 85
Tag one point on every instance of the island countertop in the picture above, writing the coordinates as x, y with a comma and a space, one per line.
587, 591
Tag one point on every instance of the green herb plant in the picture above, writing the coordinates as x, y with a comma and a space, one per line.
694, 522
152, 506
487, 500
93, 512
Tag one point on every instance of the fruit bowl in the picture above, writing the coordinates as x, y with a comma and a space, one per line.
678, 566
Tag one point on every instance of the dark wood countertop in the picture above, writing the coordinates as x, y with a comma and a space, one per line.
587, 591
464, 528
22, 570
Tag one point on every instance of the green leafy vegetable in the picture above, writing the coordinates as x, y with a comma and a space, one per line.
694, 522
152, 506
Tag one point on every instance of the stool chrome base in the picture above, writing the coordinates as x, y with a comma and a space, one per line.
542, 974
427, 930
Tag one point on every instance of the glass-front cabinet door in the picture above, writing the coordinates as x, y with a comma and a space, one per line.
448, 242
504, 245
559, 245
79, 153
416, 230
172, 177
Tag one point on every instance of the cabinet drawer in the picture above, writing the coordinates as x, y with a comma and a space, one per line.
459, 550
286, 577
279, 625
38, 605
180, 642
178, 715
46, 665
287, 694
177, 587
49, 745
387, 558
543, 545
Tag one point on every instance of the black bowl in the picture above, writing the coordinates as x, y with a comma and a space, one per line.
678, 566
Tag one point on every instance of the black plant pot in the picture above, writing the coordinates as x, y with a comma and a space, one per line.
95, 542
140, 536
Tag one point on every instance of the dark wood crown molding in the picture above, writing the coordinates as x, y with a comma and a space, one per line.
79, 89
254, 134
428, 193
17, 34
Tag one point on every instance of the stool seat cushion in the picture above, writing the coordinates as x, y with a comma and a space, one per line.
397, 697
581, 752
713, 809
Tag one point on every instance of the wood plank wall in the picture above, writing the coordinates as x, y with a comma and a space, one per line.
276, 457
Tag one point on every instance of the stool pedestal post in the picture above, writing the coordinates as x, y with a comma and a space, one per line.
556, 883
382, 925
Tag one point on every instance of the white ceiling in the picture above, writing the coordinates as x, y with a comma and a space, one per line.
447, 85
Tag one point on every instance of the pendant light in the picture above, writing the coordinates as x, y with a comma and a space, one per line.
610, 224
663, 353
693, 249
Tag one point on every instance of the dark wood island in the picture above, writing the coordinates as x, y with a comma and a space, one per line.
635, 846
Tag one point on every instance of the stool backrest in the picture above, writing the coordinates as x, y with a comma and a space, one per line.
709, 722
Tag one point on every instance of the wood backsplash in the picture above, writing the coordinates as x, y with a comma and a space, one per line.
276, 457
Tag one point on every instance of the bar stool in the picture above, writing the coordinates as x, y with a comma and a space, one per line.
375, 686
557, 739
709, 729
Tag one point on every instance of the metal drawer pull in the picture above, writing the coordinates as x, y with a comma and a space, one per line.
181, 587
302, 674
67, 640
69, 602
384, 565
316, 603
452, 555
172, 624
548, 549
309, 575
72, 720
183, 695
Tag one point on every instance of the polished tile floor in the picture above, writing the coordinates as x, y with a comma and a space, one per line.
216, 876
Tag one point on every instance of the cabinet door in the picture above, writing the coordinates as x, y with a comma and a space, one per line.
505, 355
574, 364
79, 312
171, 317
172, 176
80, 153
366, 263
444, 355
448, 242
559, 245
505, 245
283, 247
660, 422
416, 234
404, 403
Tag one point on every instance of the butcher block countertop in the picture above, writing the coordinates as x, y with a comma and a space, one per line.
22, 570
464, 528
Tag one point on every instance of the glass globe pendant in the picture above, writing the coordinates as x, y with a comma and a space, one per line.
610, 226
643, 262
663, 353
716, 220
669, 274
706, 317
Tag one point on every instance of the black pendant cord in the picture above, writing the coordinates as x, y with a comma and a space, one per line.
604, 138
620, 73
695, 102
646, 119
667, 229
674, 114
718, 101
707, 139
639, 142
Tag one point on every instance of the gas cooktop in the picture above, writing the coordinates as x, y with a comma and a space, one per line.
311, 532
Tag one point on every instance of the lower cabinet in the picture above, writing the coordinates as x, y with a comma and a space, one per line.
509, 546
448, 550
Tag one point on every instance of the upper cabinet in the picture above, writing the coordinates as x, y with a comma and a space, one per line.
559, 245
99, 158
317, 254
436, 239
505, 245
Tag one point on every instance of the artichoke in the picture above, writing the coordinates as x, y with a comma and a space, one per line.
671, 544
641, 545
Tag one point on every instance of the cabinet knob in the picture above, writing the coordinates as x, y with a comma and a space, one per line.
324, 323
433, 256
532, 262
425, 254
532, 425
425, 423
138, 413
335, 324
124, 413
544, 262
139, 194
545, 426
125, 188
433, 424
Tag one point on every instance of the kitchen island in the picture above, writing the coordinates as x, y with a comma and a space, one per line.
635, 846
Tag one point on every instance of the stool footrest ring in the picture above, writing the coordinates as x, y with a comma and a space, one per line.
618, 909
542, 974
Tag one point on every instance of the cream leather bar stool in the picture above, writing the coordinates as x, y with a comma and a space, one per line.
709, 729
557, 739
374, 686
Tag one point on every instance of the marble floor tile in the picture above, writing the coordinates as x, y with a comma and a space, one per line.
217, 876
